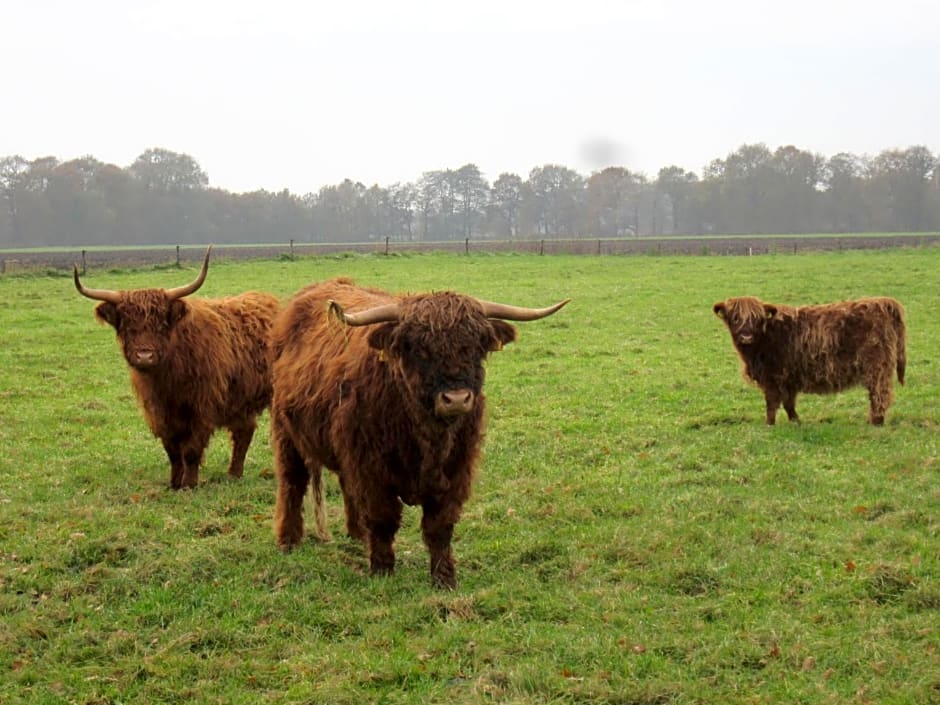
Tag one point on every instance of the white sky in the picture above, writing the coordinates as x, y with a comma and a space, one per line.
289, 94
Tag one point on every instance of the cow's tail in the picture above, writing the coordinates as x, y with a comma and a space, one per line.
319, 505
898, 313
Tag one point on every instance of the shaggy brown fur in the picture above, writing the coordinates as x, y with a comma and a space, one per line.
196, 365
818, 349
396, 409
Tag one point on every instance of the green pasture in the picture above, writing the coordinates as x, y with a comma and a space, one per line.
637, 535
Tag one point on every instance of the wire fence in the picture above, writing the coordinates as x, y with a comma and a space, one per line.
101, 257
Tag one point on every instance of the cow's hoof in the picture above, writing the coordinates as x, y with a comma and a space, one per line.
288, 543
381, 568
444, 575
445, 582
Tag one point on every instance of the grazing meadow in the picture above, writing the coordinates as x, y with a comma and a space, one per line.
637, 535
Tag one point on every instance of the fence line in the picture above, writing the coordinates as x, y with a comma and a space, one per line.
191, 255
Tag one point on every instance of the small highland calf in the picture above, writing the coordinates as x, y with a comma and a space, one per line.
387, 392
819, 349
195, 365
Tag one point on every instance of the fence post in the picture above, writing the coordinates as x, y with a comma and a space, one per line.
84, 268
386, 245
541, 247
178, 256
292, 248
466, 246
598, 245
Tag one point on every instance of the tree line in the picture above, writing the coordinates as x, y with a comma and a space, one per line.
164, 197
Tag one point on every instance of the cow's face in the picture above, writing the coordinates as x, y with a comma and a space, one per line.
143, 320
437, 349
746, 318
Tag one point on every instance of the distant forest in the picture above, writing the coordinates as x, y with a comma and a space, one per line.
164, 197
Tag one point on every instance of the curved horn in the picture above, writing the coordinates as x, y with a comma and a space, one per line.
518, 313
181, 291
376, 314
97, 294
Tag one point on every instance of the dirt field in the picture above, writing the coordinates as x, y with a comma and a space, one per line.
11, 262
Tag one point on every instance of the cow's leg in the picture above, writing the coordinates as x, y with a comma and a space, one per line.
381, 516
193, 450
292, 480
319, 503
772, 399
880, 396
173, 451
789, 405
242, 433
354, 526
437, 529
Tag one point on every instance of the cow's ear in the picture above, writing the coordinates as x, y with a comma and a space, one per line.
106, 312
380, 337
178, 309
503, 334
770, 310
719, 309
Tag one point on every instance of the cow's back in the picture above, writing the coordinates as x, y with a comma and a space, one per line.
314, 357
249, 319
838, 345
217, 363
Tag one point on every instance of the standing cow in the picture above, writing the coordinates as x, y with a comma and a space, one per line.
389, 398
819, 349
196, 365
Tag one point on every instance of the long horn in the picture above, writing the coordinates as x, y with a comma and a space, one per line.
181, 291
377, 314
97, 294
518, 313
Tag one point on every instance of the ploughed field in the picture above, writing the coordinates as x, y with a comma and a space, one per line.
637, 534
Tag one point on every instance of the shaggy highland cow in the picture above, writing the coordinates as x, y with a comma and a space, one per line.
818, 349
196, 365
389, 398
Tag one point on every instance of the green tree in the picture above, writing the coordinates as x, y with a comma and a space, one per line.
506, 197
163, 170
14, 173
901, 181
794, 193
555, 197
678, 187
845, 208
472, 193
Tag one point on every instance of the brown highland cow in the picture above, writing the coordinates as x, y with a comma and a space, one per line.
196, 365
819, 349
391, 399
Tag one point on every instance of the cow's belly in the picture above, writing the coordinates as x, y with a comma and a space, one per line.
830, 380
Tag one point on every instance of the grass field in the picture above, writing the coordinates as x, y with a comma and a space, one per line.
637, 535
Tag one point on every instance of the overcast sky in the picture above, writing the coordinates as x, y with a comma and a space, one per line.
278, 94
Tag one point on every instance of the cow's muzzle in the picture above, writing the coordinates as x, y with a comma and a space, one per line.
454, 402
143, 358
